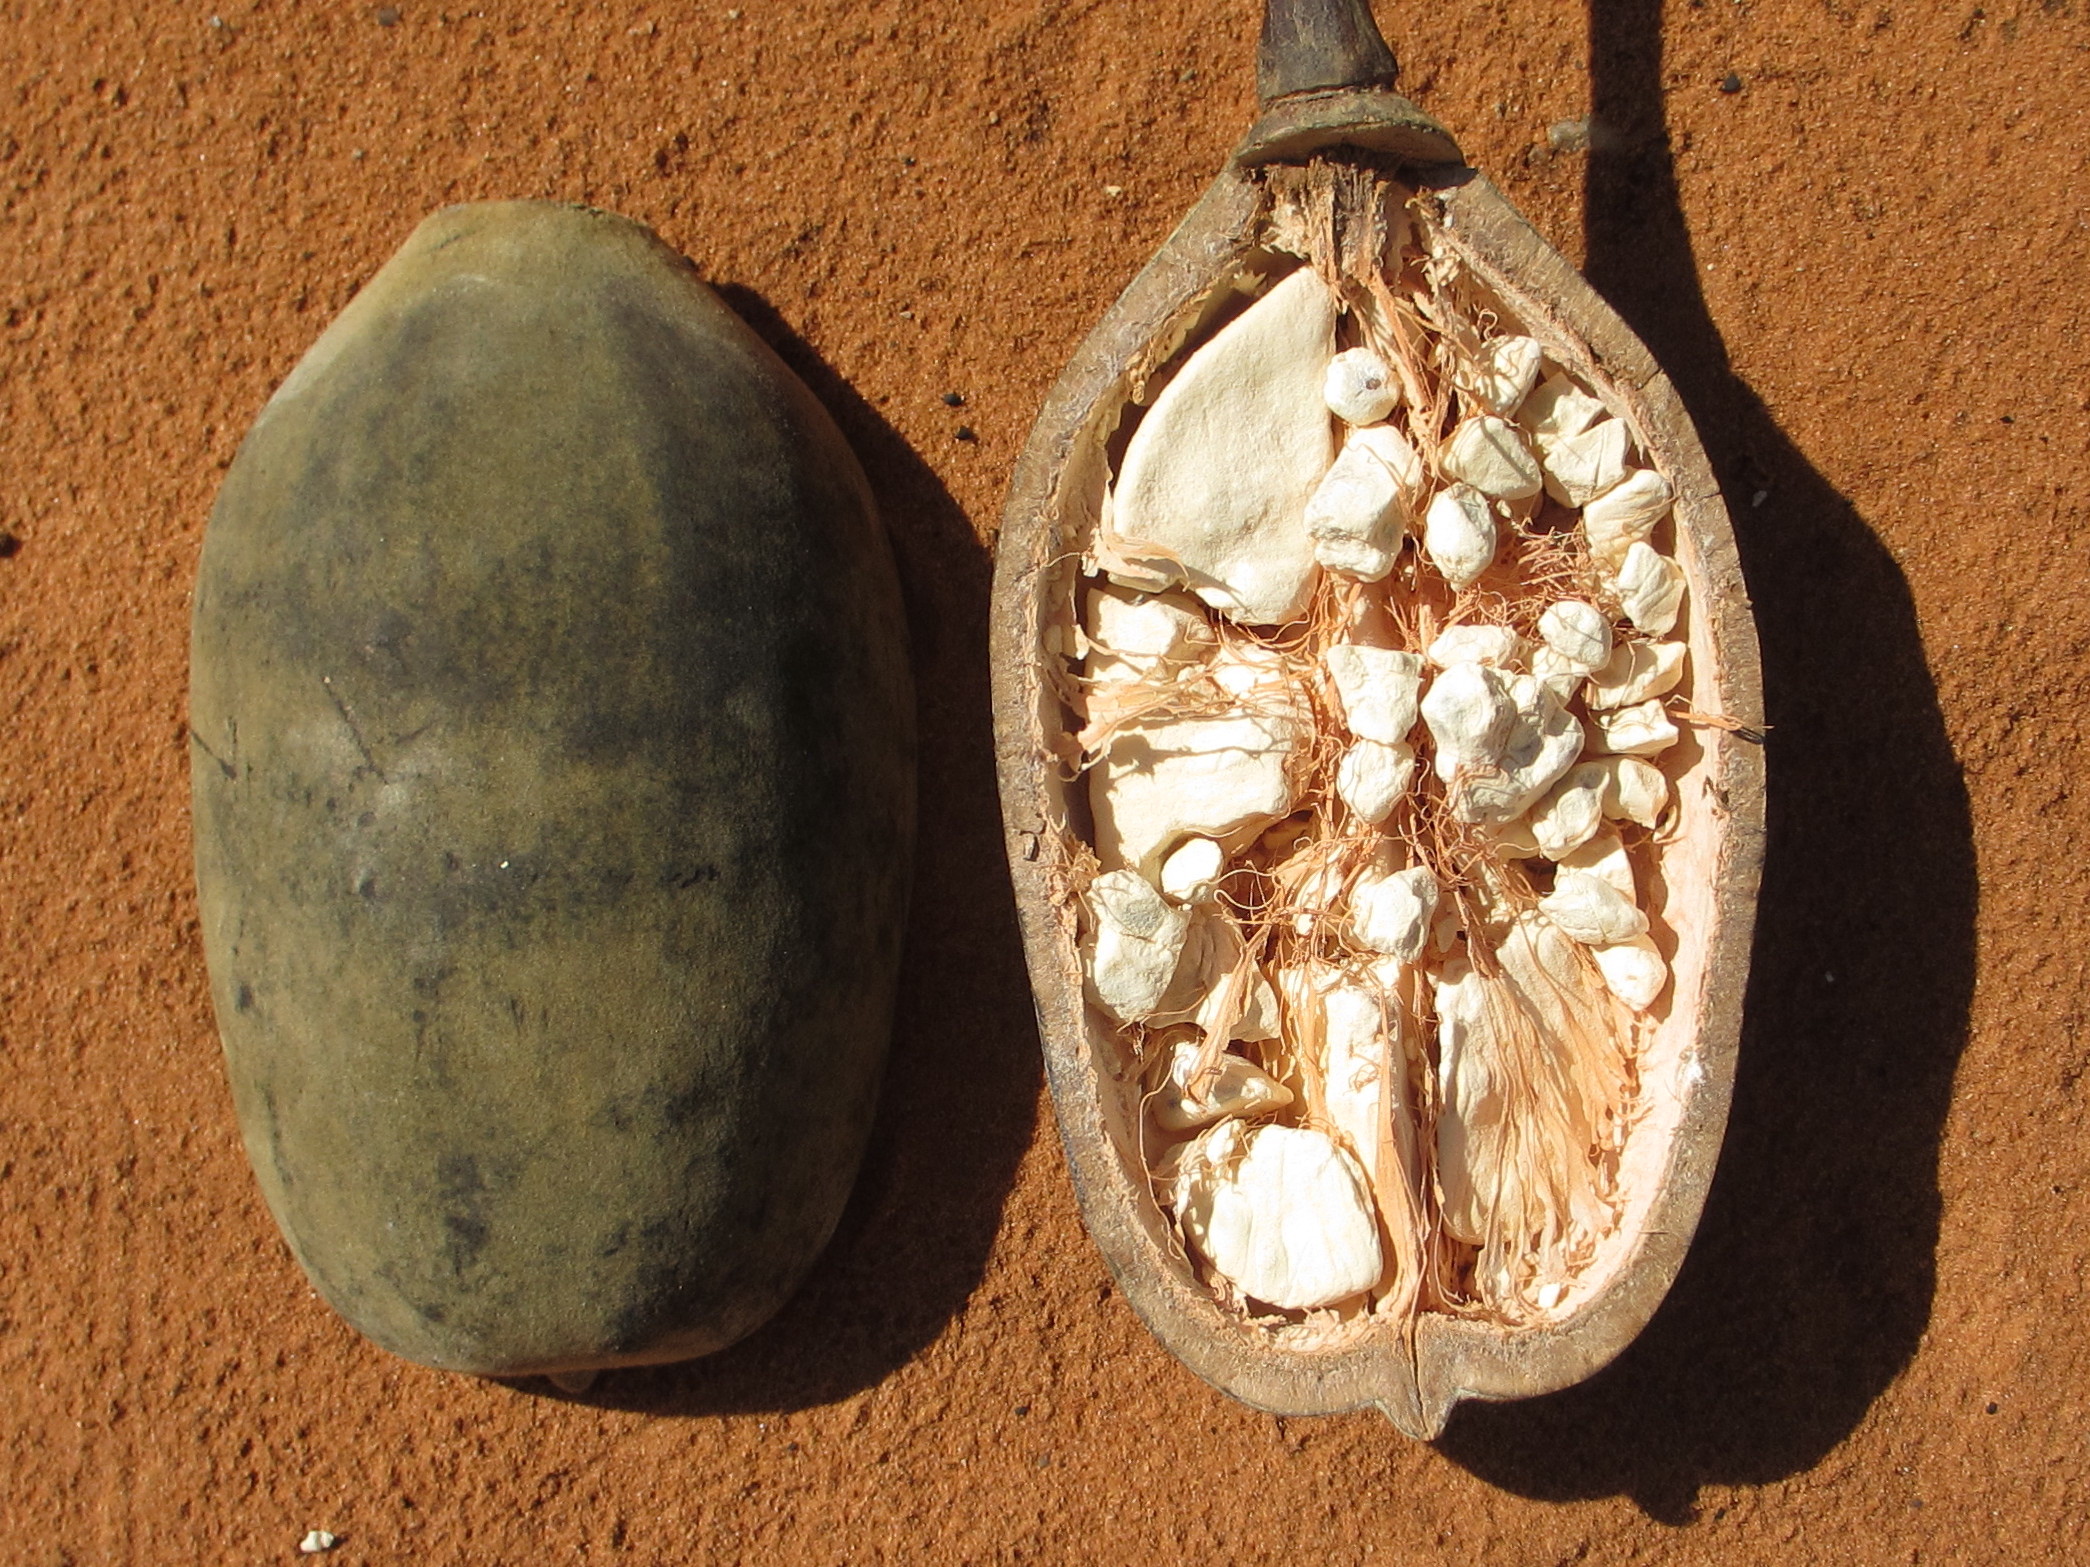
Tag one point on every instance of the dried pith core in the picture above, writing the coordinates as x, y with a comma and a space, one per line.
1373, 673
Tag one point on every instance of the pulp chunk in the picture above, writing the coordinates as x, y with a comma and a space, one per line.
1392, 913
1635, 672
1395, 450
1633, 970
1458, 534
1643, 729
1191, 872
1135, 635
1539, 966
1499, 646
1604, 856
1365, 1070
1571, 812
1513, 840
1625, 515
1255, 673
1218, 473
1359, 387
1581, 467
1372, 777
1279, 1211
1137, 944
1470, 1103
1234, 1087
1551, 985
1651, 587
1562, 675
1591, 910
1378, 690
1578, 633
1635, 790
1354, 515
1543, 741
1470, 712
1164, 780
1503, 372
1558, 407
1492, 457
1217, 987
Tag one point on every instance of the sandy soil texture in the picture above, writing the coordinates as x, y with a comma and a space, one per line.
1854, 233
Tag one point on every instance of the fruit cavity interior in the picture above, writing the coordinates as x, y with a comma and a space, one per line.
1370, 700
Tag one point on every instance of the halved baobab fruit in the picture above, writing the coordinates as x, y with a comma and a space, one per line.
1376, 695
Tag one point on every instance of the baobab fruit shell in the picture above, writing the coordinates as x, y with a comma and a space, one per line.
1055, 500
554, 803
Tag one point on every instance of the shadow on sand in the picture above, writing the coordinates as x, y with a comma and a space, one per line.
959, 1103
1810, 1282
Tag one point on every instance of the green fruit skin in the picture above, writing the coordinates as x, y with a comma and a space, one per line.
554, 803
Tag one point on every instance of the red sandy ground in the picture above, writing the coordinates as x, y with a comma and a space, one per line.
1867, 278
